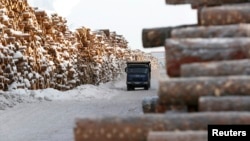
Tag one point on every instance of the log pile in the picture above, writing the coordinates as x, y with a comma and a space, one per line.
203, 62
39, 51
207, 66
138, 128
208, 58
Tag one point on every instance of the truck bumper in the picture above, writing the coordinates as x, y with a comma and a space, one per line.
138, 84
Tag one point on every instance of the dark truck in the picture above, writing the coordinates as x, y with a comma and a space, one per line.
138, 74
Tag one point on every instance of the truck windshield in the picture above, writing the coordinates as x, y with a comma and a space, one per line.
137, 70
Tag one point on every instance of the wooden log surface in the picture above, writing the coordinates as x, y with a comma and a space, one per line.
152, 105
137, 127
224, 103
187, 91
225, 14
155, 37
177, 136
220, 31
197, 3
185, 51
216, 68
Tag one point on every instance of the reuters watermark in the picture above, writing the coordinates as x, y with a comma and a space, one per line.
221, 132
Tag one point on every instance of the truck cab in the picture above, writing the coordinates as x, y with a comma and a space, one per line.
138, 74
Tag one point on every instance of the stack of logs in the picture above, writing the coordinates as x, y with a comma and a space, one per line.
39, 51
208, 67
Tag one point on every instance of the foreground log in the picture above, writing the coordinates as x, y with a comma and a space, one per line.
225, 14
216, 68
152, 105
198, 3
177, 136
188, 90
185, 51
155, 37
224, 103
237, 30
136, 128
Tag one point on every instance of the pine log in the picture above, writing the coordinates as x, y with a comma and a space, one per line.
177, 136
216, 68
237, 30
187, 91
204, 2
225, 14
224, 103
137, 127
152, 105
149, 104
155, 37
185, 51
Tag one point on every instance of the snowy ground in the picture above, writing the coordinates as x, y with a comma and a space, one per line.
49, 115
80, 93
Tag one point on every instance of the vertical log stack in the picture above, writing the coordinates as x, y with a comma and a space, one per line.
39, 51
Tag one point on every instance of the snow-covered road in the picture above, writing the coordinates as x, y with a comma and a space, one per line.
54, 119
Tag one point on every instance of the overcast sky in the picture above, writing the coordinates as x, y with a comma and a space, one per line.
125, 17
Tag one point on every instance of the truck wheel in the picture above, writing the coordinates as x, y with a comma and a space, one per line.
128, 88
146, 87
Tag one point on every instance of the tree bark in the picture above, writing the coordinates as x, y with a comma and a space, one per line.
187, 91
195, 4
237, 30
204, 2
186, 51
152, 105
218, 68
137, 127
225, 14
224, 103
155, 37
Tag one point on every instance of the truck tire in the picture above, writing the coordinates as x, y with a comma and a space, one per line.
130, 87
146, 87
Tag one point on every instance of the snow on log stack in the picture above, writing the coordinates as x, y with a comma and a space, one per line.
39, 51
207, 65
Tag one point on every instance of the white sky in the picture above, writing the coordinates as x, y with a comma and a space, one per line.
125, 17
